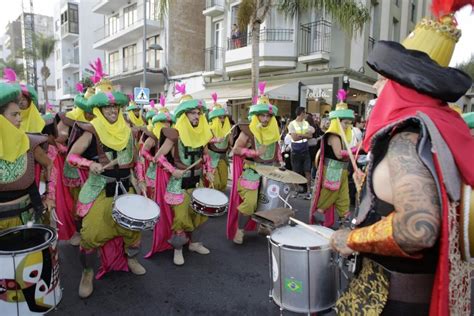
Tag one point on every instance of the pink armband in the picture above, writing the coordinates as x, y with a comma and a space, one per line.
214, 140
78, 161
279, 156
61, 148
344, 154
147, 155
140, 171
354, 150
249, 153
165, 164
207, 164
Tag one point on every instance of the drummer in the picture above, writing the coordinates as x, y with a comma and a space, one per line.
134, 114
331, 189
257, 143
219, 144
20, 200
106, 141
183, 146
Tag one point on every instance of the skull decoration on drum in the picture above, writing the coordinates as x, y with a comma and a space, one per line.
29, 270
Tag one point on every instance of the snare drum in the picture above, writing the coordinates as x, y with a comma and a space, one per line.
209, 202
135, 212
302, 269
29, 270
271, 194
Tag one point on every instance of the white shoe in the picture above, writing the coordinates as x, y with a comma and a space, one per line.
75, 239
199, 248
178, 258
239, 237
86, 287
135, 266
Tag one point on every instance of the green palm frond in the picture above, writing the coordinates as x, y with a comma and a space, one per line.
247, 12
162, 6
350, 14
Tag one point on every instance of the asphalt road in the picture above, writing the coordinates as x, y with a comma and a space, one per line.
231, 280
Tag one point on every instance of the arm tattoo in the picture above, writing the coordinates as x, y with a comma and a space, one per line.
416, 223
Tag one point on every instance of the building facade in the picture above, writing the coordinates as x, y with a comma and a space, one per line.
304, 59
19, 38
171, 47
74, 25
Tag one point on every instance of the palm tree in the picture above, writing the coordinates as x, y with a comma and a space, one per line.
348, 13
43, 48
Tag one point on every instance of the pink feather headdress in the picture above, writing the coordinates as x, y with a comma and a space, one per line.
162, 100
79, 87
181, 88
261, 87
98, 71
341, 95
9, 75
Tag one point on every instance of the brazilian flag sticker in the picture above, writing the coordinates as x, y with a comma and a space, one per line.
293, 285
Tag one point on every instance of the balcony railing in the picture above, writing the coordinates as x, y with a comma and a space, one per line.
315, 38
214, 3
71, 60
371, 43
266, 35
124, 21
70, 90
69, 27
214, 58
131, 63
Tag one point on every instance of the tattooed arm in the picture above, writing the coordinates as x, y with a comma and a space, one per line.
416, 223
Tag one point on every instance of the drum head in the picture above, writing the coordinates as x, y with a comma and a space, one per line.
24, 239
210, 196
137, 206
300, 237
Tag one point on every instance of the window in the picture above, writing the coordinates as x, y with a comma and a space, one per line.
113, 63
397, 3
130, 58
413, 11
130, 15
152, 55
113, 25
152, 9
395, 30
73, 18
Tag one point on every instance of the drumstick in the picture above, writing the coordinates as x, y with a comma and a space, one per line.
310, 228
111, 163
193, 165
343, 136
230, 131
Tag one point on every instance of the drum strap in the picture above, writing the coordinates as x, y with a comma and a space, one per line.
13, 210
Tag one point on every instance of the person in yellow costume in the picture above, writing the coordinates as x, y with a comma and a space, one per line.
219, 145
134, 115
331, 190
183, 146
31, 119
257, 144
108, 138
20, 200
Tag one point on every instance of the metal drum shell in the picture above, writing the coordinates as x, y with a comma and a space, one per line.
267, 198
206, 208
300, 266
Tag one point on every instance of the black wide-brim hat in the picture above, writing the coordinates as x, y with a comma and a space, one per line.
416, 70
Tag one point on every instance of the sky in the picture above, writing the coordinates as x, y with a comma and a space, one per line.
464, 48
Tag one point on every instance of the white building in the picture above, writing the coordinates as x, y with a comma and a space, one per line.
173, 47
74, 25
304, 60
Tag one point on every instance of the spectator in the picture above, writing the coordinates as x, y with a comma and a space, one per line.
236, 36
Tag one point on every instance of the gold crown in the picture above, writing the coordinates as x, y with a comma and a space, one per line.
104, 85
263, 99
89, 92
455, 107
217, 106
437, 39
163, 109
185, 97
342, 106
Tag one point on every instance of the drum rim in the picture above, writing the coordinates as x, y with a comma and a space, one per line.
193, 198
116, 210
281, 245
44, 245
115, 207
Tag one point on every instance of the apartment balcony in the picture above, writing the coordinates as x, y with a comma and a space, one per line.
69, 31
214, 61
125, 29
128, 71
70, 62
371, 43
277, 51
213, 8
315, 45
108, 6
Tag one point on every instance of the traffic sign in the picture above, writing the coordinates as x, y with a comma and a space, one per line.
141, 95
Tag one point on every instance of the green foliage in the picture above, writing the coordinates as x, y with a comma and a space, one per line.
467, 67
350, 14
247, 12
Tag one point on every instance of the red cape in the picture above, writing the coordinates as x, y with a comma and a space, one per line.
397, 102
235, 200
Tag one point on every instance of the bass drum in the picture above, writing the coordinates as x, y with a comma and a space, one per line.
29, 270
302, 269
